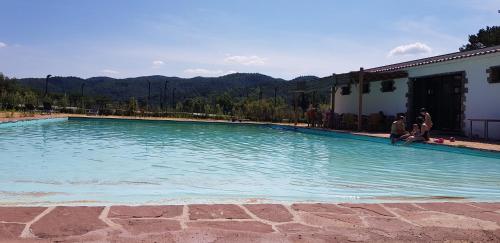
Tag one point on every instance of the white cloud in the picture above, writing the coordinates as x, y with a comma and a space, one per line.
206, 72
2, 44
158, 63
246, 60
109, 71
416, 48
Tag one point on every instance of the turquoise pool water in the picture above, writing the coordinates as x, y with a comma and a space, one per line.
105, 161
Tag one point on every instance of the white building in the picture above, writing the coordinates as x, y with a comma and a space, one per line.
454, 88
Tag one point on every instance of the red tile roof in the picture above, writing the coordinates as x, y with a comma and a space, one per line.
436, 59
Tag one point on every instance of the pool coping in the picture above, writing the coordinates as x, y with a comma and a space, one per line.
386, 136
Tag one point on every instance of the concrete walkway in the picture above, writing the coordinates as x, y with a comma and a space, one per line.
421, 222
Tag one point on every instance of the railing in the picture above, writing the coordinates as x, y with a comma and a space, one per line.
486, 125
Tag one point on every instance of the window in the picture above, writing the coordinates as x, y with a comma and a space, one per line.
494, 76
388, 86
366, 88
346, 90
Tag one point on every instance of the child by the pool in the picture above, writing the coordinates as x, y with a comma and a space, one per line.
415, 130
398, 130
420, 132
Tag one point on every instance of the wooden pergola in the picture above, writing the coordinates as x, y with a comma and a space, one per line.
360, 78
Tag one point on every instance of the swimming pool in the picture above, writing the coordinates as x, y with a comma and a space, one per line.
109, 161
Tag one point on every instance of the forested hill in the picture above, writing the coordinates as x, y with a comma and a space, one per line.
236, 85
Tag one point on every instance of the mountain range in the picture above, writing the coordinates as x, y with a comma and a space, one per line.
236, 85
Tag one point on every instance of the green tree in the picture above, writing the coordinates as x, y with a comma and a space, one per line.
132, 106
224, 102
179, 107
207, 109
490, 36
64, 101
188, 105
30, 99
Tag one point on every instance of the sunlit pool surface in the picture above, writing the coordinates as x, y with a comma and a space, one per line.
108, 161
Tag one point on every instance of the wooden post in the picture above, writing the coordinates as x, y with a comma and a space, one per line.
360, 99
83, 101
47, 85
314, 99
295, 108
332, 97
332, 93
260, 95
173, 99
149, 96
165, 100
160, 99
274, 107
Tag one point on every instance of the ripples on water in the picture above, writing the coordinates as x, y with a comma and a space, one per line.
120, 161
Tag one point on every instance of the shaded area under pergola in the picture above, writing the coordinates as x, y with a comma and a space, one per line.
359, 78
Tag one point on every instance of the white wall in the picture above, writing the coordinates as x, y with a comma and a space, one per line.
390, 103
482, 101
482, 98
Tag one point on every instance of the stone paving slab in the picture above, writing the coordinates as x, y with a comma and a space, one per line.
369, 209
250, 226
68, 221
319, 222
270, 212
139, 226
332, 219
217, 211
10, 230
21, 215
168, 211
297, 228
321, 208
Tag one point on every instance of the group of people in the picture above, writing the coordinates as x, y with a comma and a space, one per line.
420, 129
316, 118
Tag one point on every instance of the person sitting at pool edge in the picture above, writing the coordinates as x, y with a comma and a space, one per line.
427, 118
420, 132
398, 130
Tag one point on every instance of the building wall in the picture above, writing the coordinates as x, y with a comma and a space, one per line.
390, 103
482, 99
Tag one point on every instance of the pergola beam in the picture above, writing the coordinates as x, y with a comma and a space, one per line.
360, 98
333, 90
353, 77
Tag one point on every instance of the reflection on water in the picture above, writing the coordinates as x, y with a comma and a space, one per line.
130, 162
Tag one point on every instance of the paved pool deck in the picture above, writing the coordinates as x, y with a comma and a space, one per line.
390, 222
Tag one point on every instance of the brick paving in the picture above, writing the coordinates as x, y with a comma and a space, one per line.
390, 222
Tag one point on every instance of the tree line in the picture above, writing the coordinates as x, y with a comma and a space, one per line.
239, 96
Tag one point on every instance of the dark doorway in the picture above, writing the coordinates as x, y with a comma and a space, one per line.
442, 96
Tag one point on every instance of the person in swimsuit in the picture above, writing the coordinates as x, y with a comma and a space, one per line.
427, 118
398, 130
420, 132
415, 130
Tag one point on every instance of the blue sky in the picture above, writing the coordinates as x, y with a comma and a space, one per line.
280, 38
